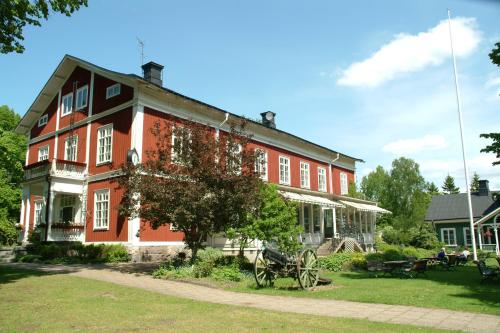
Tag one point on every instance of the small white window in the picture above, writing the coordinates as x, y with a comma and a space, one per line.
344, 187
284, 170
261, 163
67, 104
104, 144
178, 144
467, 236
234, 158
43, 153
321, 179
67, 208
113, 90
304, 175
101, 209
43, 120
39, 212
82, 97
448, 236
70, 148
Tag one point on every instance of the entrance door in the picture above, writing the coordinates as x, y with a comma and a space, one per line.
328, 222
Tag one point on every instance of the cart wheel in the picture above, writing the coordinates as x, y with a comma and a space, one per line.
262, 271
307, 269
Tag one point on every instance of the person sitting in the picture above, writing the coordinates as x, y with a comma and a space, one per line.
442, 254
462, 257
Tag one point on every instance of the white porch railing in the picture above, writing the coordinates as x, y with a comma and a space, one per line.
58, 168
312, 238
71, 232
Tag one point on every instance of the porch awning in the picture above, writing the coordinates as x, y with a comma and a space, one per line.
365, 207
311, 199
488, 216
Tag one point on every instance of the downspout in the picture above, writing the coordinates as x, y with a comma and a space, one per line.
220, 125
331, 172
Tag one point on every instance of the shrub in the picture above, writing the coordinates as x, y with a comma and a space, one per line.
30, 258
229, 273
115, 253
335, 262
8, 232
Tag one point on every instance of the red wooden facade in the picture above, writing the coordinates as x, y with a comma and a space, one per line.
119, 111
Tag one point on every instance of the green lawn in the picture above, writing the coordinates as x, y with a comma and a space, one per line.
36, 302
459, 289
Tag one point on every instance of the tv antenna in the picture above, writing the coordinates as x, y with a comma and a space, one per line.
141, 46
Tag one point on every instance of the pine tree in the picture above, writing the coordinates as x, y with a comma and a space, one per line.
432, 189
449, 185
474, 184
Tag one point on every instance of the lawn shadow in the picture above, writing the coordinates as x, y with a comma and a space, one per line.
10, 274
468, 277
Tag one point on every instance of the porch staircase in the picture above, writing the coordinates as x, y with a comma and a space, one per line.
346, 244
8, 254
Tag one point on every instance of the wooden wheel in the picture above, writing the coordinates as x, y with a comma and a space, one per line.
264, 276
307, 269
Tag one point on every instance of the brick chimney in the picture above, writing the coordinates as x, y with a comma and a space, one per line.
153, 73
484, 188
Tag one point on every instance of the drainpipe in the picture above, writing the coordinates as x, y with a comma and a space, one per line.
220, 125
331, 172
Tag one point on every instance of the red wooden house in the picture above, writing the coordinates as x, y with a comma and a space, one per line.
86, 119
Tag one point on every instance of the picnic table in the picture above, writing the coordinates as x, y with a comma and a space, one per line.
396, 267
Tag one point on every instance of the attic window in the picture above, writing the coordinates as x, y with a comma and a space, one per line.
113, 91
81, 97
43, 120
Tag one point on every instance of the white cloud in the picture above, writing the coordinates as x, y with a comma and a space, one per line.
409, 146
493, 82
410, 53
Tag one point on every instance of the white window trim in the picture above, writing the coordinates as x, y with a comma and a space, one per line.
454, 236
42, 213
306, 181
71, 104
97, 163
344, 185
86, 97
262, 153
322, 189
43, 120
464, 230
76, 147
96, 192
173, 153
48, 152
289, 171
111, 89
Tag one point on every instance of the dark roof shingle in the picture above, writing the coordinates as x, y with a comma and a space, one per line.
454, 206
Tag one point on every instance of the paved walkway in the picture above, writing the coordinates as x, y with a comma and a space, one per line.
131, 276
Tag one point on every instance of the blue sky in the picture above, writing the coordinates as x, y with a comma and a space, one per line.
372, 79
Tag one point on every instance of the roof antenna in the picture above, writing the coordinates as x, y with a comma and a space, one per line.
141, 46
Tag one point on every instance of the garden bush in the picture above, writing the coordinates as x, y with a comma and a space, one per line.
228, 273
336, 262
8, 232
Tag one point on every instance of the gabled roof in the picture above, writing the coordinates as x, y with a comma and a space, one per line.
454, 206
69, 63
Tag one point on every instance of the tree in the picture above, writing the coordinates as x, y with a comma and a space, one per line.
474, 184
374, 185
495, 54
494, 147
16, 14
12, 155
449, 185
275, 220
353, 191
191, 180
432, 189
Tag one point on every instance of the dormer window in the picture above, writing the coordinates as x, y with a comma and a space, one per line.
82, 97
43, 120
113, 90
67, 104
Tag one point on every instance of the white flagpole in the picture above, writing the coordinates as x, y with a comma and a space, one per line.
459, 104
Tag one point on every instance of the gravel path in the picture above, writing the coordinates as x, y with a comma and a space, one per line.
132, 275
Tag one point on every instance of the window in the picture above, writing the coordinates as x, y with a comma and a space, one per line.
67, 104
113, 91
322, 179
179, 134
67, 208
261, 163
43, 120
448, 236
284, 170
101, 209
81, 97
39, 212
43, 153
343, 184
104, 144
467, 236
307, 219
304, 175
70, 148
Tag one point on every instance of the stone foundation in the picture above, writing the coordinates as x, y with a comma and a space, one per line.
156, 253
